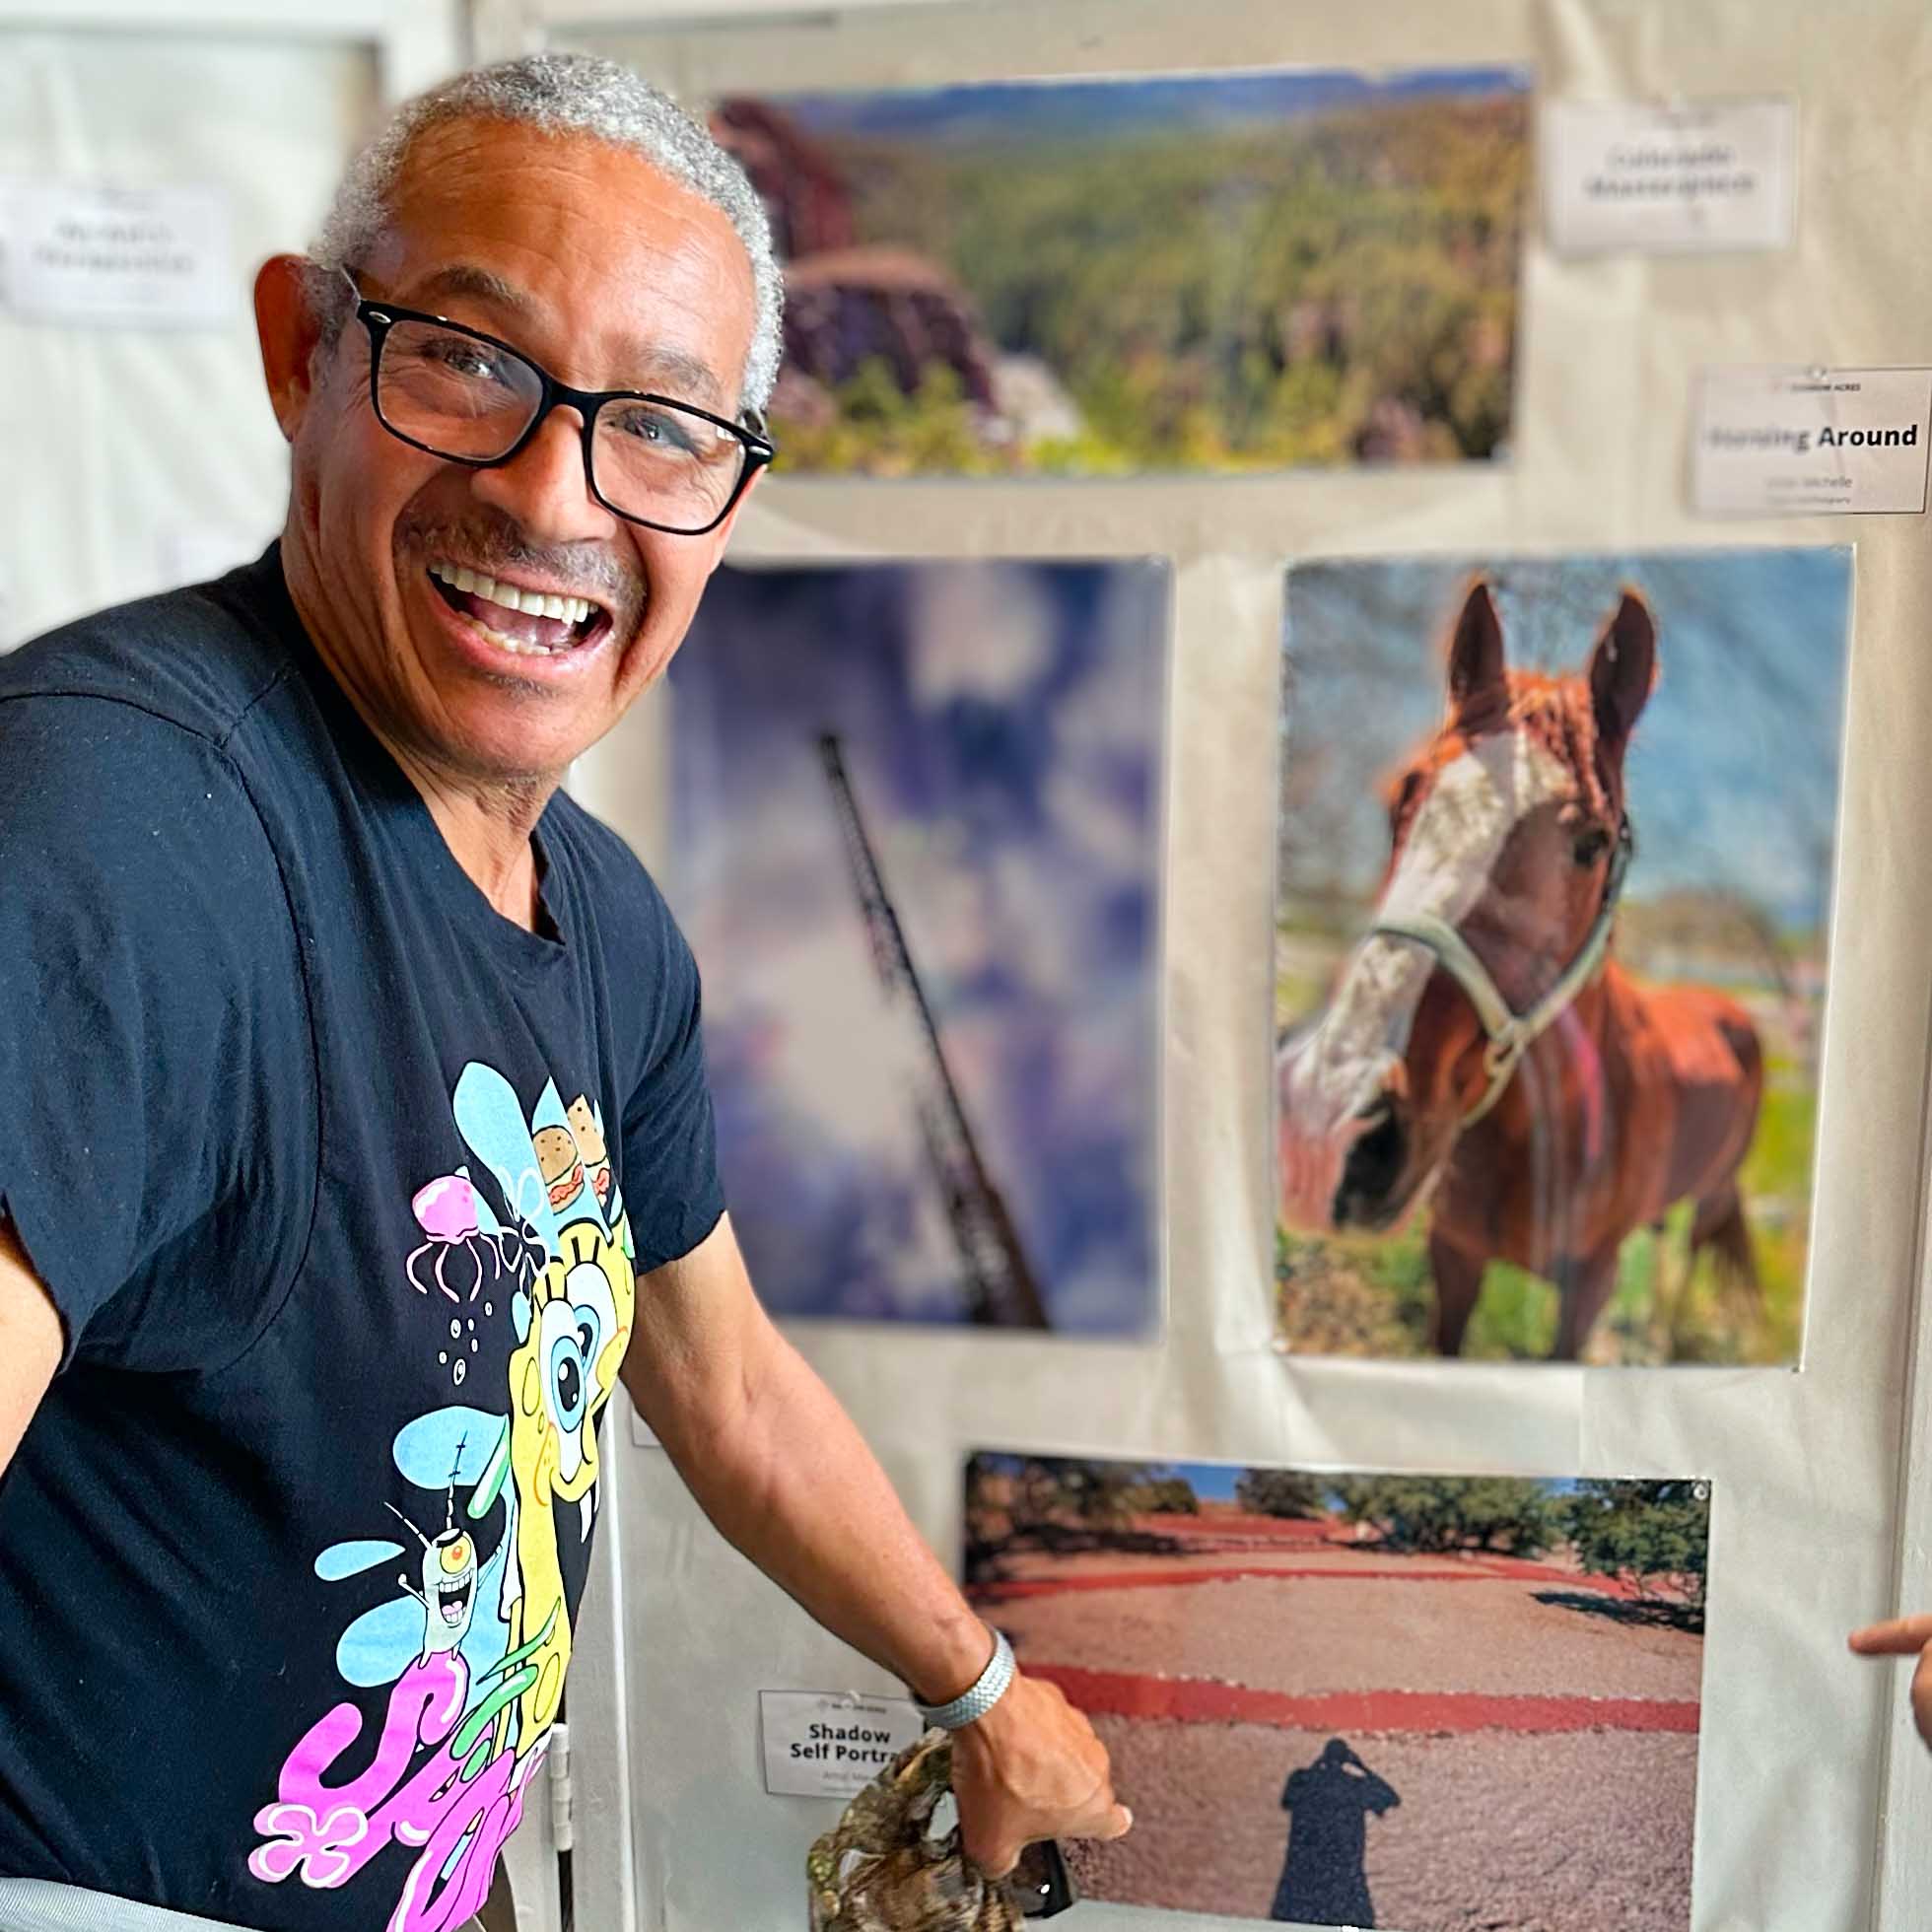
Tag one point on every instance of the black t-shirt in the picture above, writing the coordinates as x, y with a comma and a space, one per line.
341, 1183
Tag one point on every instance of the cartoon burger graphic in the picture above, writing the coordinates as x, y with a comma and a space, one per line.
590, 1144
556, 1160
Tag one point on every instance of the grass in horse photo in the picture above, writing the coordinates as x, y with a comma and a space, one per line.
1546, 1074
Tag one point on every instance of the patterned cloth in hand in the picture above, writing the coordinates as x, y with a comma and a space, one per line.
879, 1871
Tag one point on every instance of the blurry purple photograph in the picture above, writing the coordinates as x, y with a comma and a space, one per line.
916, 849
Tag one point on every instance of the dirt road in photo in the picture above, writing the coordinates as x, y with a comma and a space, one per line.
1477, 1743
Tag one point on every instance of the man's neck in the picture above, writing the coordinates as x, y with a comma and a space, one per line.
486, 824
487, 830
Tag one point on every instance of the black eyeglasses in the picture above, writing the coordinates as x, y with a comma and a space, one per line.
469, 398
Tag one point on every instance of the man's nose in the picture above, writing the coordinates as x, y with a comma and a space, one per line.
544, 486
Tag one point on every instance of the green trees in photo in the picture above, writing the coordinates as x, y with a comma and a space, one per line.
1513, 1516
1011, 1494
1326, 289
1654, 1536
1280, 1493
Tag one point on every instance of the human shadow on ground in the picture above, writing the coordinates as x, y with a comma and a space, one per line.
1650, 1616
1324, 1881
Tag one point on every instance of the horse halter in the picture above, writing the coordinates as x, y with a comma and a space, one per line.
1511, 1034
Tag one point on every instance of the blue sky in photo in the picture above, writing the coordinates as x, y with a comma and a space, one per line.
1733, 771
1216, 1481
1114, 108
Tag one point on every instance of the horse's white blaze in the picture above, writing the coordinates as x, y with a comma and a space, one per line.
1332, 1075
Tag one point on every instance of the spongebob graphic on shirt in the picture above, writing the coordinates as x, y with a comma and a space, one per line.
477, 1644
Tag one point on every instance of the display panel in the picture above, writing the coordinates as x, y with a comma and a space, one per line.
1419, 1702
1556, 855
1155, 273
916, 826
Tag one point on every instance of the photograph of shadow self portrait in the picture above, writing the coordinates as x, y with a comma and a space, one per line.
1424, 1704
1555, 878
1144, 274
916, 849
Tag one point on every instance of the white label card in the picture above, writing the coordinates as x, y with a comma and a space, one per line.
821, 1743
1811, 442
154, 258
1642, 176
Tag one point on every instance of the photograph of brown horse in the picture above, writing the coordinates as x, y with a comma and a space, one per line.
1484, 1063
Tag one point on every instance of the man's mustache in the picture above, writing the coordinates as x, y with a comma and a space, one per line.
588, 571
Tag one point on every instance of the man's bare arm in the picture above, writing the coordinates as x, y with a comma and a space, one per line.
30, 1342
780, 1468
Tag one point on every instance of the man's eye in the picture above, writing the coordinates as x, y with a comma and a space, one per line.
462, 358
658, 430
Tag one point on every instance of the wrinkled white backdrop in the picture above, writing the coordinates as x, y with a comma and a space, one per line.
1807, 1465
129, 456
138, 458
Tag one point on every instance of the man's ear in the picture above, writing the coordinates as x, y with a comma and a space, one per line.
290, 333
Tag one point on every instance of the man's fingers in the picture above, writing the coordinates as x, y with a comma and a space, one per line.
997, 1860
1100, 1818
1903, 1636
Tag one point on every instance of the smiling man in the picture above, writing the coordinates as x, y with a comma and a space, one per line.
360, 1140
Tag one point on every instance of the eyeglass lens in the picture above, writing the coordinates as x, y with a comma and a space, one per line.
462, 397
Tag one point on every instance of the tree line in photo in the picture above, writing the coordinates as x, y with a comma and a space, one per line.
1650, 1537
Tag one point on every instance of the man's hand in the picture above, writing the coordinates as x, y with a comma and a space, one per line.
1031, 1769
776, 1465
1904, 1637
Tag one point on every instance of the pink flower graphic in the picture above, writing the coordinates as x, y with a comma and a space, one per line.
318, 1849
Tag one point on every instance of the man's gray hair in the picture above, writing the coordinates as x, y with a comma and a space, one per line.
570, 93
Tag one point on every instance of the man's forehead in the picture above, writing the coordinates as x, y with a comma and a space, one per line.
646, 361
485, 213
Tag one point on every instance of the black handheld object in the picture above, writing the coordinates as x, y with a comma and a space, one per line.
1042, 1882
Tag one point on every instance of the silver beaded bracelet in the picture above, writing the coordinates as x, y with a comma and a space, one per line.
971, 1705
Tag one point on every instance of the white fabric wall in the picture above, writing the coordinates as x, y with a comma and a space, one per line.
137, 459
1796, 1735
129, 452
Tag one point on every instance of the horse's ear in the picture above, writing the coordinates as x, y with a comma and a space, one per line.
1623, 670
1477, 678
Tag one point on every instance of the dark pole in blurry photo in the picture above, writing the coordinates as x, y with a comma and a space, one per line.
998, 1280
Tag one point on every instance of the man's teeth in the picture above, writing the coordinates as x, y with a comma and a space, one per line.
511, 644
540, 603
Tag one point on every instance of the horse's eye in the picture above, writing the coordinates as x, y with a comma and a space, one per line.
1590, 845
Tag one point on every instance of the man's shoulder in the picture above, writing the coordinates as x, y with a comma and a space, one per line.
610, 866
196, 660
632, 918
117, 734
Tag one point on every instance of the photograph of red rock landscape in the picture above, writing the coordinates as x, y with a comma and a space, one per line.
1139, 274
1424, 1704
